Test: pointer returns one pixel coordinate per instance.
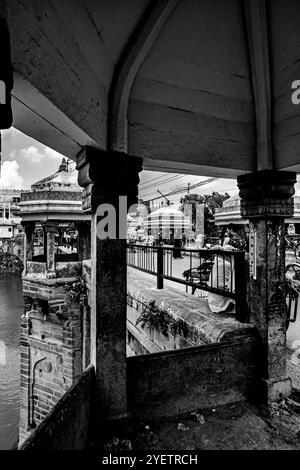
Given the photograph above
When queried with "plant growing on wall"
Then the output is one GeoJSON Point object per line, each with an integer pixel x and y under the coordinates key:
{"type": "Point", "coordinates": [179, 327]}
{"type": "Point", "coordinates": [155, 318]}
{"type": "Point", "coordinates": [77, 291]}
{"type": "Point", "coordinates": [160, 320]}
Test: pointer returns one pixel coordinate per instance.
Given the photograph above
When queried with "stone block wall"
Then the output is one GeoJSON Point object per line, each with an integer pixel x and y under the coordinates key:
{"type": "Point", "coordinates": [51, 357]}
{"type": "Point", "coordinates": [173, 382]}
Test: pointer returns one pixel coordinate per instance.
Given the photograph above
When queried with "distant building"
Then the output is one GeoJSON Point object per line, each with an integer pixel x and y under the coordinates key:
{"type": "Point", "coordinates": [9, 203]}
{"type": "Point", "coordinates": [230, 213]}
{"type": "Point", "coordinates": [10, 220]}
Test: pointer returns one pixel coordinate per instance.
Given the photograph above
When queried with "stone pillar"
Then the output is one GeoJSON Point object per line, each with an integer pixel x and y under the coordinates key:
{"type": "Point", "coordinates": [106, 176]}
{"type": "Point", "coordinates": [84, 239]}
{"type": "Point", "coordinates": [45, 241]}
{"type": "Point", "coordinates": [28, 241]}
{"type": "Point", "coordinates": [51, 229]}
{"type": "Point", "coordinates": [60, 236]}
{"type": "Point", "coordinates": [266, 200]}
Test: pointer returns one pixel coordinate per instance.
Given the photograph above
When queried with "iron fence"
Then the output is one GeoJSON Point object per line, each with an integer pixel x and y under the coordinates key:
{"type": "Point", "coordinates": [205, 270]}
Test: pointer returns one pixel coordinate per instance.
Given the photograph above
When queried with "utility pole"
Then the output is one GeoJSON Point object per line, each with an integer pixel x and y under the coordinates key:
{"type": "Point", "coordinates": [168, 202]}
{"type": "Point", "coordinates": [188, 189]}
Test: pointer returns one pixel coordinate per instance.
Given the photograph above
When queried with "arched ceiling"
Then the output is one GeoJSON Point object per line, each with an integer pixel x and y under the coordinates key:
{"type": "Point", "coordinates": [284, 26]}
{"type": "Point", "coordinates": [192, 97]}
{"type": "Point", "coordinates": [193, 86]}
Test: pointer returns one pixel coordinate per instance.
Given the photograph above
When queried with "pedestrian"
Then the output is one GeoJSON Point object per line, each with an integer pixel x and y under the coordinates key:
{"type": "Point", "coordinates": [200, 241]}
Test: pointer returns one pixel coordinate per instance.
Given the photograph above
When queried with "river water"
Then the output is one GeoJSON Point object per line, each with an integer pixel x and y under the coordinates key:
{"type": "Point", "coordinates": [11, 309]}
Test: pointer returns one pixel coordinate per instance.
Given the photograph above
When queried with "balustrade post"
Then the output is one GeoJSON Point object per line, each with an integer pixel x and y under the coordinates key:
{"type": "Point", "coordinates": [84, 239]}
{"type": "Point", "coordinates": [160, 267]}
{"type": "Point", "coordinates": [51, 229]}
{"type": "Point", "coordinates": [241, 306]}
{"type": "Point", "coordinates": [28, 241]}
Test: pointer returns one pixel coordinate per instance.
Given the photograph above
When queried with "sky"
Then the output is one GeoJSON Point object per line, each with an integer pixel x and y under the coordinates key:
{"type": "Point", "coordinates": [25, 161]}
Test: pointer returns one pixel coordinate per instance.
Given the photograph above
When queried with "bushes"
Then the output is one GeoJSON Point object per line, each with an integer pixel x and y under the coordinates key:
{"type": "Point", "coordinates": [10, 263]}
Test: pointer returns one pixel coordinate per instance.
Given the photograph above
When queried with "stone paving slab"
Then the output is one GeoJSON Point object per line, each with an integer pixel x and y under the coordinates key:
{"type": "Point", "coordinates": [232, 427]}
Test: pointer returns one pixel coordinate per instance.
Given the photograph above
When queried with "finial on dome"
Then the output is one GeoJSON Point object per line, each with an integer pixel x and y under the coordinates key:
{"type": "Point", "coordinates": [64, 165]}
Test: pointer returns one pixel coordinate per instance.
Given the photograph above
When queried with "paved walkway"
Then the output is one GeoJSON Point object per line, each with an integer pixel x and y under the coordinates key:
{"type": "Point", "coordinates": [238, 426]}
{"type": "Point", "coordinates": [232, 427]}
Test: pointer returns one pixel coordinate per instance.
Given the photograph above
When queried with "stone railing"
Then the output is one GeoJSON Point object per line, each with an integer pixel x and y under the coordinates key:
{"type": "Point", "coordinates": [65, 270]}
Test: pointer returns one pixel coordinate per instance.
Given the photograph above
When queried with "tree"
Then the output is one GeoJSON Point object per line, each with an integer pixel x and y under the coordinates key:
{"type": "Point", "coordinates": [211, 202]}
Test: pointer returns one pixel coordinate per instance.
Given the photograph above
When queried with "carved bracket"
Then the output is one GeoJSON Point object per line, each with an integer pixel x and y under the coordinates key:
{"type": "Point", "coordinates": [107, 175]}
{"type": "Point", "coordinates": [267, 193]}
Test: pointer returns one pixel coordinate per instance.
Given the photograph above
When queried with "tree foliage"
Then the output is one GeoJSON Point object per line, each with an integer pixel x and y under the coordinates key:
{"type": "Point", "coordinates": [211, 203]}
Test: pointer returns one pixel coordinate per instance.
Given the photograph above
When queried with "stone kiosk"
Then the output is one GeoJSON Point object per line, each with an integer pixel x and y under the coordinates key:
{"type": "Point", "coordinates": [52, 330]}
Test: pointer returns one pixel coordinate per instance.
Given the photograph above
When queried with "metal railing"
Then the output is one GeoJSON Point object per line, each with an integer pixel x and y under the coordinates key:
{"type": "Point", "coordinates": [208, 270]}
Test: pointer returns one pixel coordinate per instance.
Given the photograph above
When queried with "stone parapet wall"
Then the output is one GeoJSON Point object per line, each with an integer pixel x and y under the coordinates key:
{"type": "Point", "coordinates": [63, 269]}
{"type": "Point", "coordinates": [37, 285]}
{"type": "Point", "coordinates": [174, 382]}
{"type": "Point", "coordinates": [195, 323]}
{"type": "Point", "coordinates": [37, 289]}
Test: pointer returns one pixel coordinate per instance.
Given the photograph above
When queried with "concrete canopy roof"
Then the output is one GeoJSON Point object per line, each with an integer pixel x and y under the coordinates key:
{"type": "Point", "coordinates": [190, 86]}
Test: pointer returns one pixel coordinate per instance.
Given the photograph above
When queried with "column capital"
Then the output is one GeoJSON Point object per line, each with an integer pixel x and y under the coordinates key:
{"type": "Point", "coordinates": [267, 193]}
{"type": "Point", "coordinates": [107, 174]}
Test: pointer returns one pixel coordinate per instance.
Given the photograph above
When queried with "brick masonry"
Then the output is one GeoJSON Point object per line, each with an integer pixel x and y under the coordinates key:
{"type": "Point", "coordinates": [52, 333]}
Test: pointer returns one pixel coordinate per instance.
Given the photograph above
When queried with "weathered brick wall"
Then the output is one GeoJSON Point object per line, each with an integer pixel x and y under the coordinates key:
{"type": "Point", "coordinates": [69, 426]}
{"type": "Point", "coordinates": [51, 357]}
{"type": "Point", "coordinates": [38, 289]}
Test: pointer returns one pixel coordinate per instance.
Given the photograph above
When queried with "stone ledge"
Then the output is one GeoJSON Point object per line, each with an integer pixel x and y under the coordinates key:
{"type": "Point", "coordinates": [208, 326]}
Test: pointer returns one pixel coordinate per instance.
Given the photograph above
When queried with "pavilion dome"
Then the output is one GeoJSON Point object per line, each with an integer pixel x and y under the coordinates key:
{"type": "Point", "coordinates": [167, 216]}
{"type": "Point", "coordinates": [61, 180]}
{"type": "Point", "coordinates": [234, 200]}
{"type": "Point", "coordinates": [56, 197]}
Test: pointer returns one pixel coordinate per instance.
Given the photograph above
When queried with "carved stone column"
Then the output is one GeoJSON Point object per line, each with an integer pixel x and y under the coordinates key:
{"type": "Point", "coordinates": [106, 176]}
{"type": "Point", "coordinates": [266, 200]}
{"type": "Point", "coordinates": [51, 229]}
{"type": "Point", "coordinates": [84, 239]}
{"type": "Point", "coordinates": [28, 241]}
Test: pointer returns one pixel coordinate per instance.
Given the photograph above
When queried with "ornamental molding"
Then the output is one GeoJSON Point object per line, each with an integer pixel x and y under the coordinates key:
{"type": "Point", "coordinates": [267, 207]}
{"type": "Point", "coordinates": [267, 193]}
